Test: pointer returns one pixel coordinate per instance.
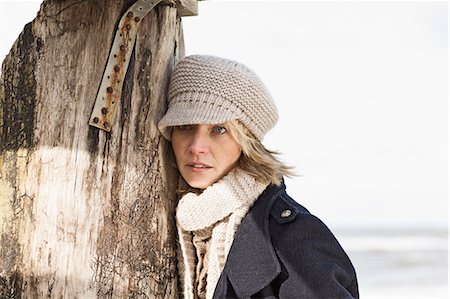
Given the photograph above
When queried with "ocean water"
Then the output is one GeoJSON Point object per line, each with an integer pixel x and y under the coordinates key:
{"type": "Point", "coordinates": [399, 263]}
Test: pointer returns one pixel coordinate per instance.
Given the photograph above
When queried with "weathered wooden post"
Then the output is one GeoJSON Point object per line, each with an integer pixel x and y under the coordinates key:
{"type": "Point", "coordinates": [86, 213]}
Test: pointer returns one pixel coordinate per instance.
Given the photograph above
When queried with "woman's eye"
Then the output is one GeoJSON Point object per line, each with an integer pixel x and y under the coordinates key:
{"type": "Point", "coordinates": [219, 130]}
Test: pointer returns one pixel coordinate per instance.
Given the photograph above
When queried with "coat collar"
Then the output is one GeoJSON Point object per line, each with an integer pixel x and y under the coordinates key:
{"type": "Point", "coordinates": [252, 263]}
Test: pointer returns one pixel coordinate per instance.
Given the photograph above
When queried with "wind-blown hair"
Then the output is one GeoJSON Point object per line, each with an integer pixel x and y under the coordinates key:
{"type": "Point", "coordinates": [256, 160]}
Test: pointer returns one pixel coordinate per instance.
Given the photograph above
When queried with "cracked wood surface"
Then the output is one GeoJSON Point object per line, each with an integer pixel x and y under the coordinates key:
{"type": "Point", "coordinates": [85, 213]}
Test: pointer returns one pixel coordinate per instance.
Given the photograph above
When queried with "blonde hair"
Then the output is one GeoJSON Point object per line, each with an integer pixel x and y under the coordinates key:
{"type": "Point", "coordinates": [256, 160]}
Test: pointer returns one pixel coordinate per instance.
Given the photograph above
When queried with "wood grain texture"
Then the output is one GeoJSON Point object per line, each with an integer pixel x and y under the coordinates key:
{"type": "Point", "coordinates": [85, 213]}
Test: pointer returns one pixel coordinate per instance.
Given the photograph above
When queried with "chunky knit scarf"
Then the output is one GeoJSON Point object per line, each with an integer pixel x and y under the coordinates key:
{"type": "Point", "coordinates": [219, 209]}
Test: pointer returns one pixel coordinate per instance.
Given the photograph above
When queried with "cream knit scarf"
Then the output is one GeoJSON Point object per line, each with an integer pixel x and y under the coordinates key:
{"type": "Point", "coordinates": [222, 206]}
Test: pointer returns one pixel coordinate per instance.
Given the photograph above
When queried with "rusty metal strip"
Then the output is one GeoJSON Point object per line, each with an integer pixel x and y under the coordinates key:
{"type": "Point", "coordinates": [110, 90]}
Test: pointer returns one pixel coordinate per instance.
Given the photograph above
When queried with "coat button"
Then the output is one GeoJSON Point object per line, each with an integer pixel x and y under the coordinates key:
{"type": "Point", "coordinates": [286, 213]}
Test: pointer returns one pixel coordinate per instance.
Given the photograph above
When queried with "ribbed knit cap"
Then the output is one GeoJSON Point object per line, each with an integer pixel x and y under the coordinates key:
{"type": "Point", "coordinates": [212, 90]}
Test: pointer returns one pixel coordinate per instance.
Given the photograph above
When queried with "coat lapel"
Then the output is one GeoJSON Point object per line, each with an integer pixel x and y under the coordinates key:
{"type": "Point", "coordinates": [252, 263]}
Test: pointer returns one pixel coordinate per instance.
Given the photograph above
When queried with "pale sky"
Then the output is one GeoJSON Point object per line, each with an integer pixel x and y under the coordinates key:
{"type": "Point", "coordinates": [362, 92]}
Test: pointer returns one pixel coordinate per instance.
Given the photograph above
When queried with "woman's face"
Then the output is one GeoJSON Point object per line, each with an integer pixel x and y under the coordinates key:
{"type": "Point", "coordinates": [204, 153]}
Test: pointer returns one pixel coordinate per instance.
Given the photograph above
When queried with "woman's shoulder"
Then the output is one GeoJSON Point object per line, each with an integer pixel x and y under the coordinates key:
{"type": "Point", "coordinates": [287, 215]}
{"type": "Point", "coordinates": [285, 209]}
{"type": "Point", "coordinates": [293, 226]}
{"type": "Point", "coordinates": [290, 216]}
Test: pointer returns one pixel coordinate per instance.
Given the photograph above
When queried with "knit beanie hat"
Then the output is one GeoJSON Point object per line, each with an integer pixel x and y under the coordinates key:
{"type": "Point", "coordinates": [212, 90]}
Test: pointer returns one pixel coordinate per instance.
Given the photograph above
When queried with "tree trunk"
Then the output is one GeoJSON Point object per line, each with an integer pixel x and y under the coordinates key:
{"type": "Point", "coordinates": [86, 213]}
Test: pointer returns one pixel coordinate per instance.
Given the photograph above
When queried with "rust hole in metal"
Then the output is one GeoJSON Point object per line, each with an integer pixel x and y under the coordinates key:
{"type": "Point", "coordinates": [95, 120]}
{"type": "Point", "coordinates": [109, 89]}
{"type": "Point", "coordinates": [104, 110]}
{"type": "Point", "coordinates": [130, 14]}
{"type": "Point", "coordinates": [137, 19]}
{"type": "Point", "coordinates": [128, 26]}
{"type": "Point", "coordinates": [123, 48]}
{"type": "Point", "coordinates": [106, 124]}
{"type": "Point", "coordinates": [116, 68]}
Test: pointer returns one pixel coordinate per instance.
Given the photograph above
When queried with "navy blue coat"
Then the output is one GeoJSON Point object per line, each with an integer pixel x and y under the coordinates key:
{"type": "Point", "coordinates": [281, 254]}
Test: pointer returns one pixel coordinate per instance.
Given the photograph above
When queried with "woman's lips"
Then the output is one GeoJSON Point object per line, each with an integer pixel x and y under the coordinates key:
{"type": "Point", "coordinates": [198, 167]}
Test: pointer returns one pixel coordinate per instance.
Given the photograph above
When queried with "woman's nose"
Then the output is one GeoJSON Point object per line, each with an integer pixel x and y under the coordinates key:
{"type": "Point", "coordinates": [199, 144]}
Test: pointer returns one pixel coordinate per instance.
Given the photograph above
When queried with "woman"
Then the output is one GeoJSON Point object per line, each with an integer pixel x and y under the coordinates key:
{"type": "Point", "coordinates": [240, 234]}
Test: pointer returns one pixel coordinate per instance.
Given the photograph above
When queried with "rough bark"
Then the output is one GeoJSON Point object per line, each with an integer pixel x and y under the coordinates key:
{"type": "Point", "coordinates": [85, 213]}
